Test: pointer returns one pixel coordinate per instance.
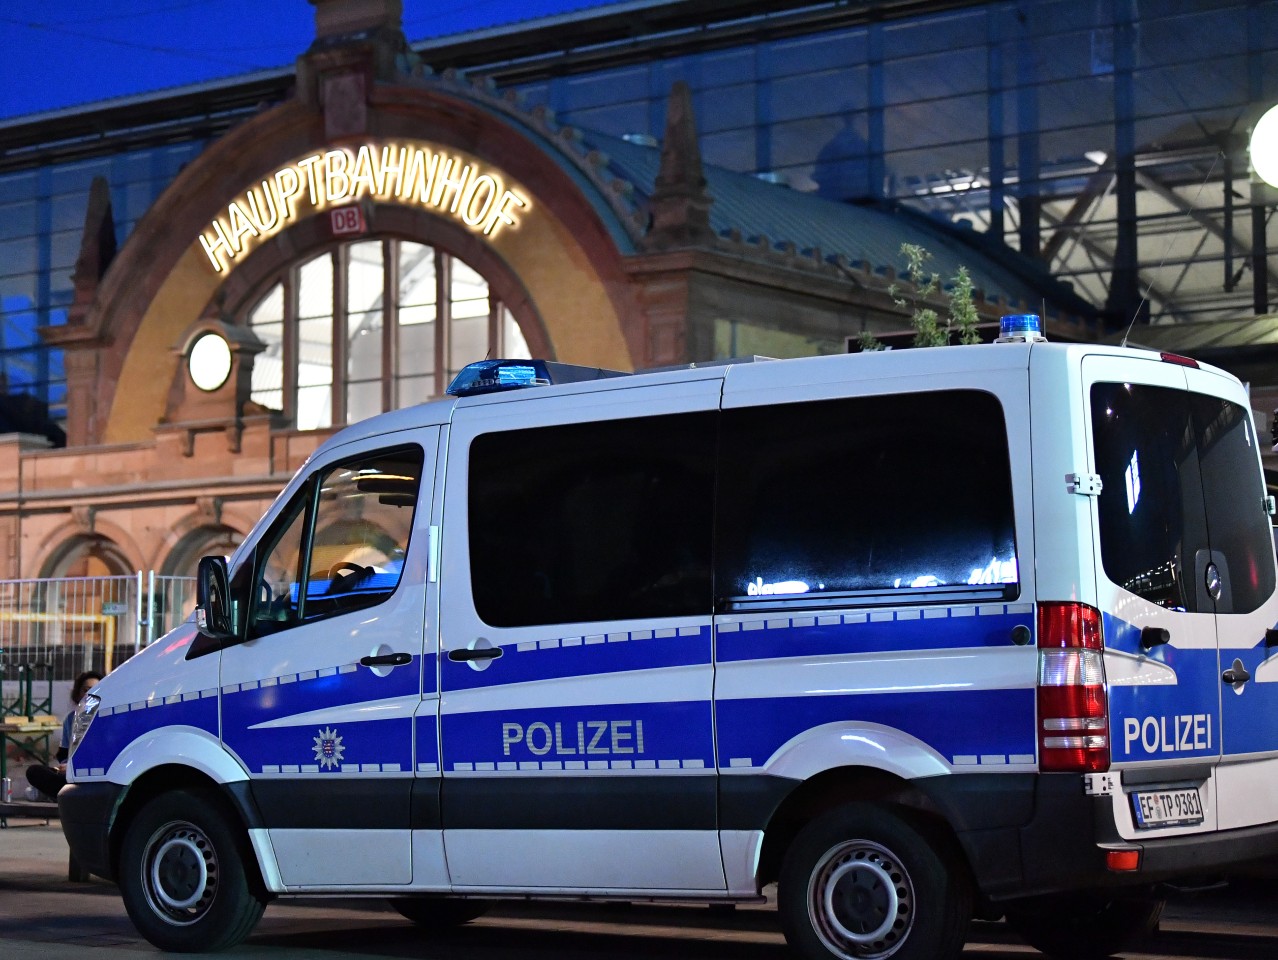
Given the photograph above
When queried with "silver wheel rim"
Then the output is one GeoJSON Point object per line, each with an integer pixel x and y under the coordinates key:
{"type": "Point", "coordinates": [179, 873]}
{"type": "Point", "coordinates": [861, 901]}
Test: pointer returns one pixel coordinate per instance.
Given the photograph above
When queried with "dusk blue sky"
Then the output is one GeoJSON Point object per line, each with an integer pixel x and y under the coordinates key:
{"type": "Point", "coordinates": [63, 53]}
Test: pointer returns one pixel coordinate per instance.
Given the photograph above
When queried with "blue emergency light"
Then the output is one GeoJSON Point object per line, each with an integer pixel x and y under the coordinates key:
{"type": "Point", "coordinates": [1020, 328]}
{"type": "Point", "coordinates": [491, 376]}
{"type": "Point", "coordinates": [494, 376]}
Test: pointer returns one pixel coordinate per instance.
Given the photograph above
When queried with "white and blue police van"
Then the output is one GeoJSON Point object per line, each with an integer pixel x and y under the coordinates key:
{"type": "Point", "coordinates": [919, 636]}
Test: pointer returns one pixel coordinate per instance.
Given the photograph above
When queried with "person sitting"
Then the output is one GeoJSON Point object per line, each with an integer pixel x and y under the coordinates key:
{"type": "Point", "coordinates": [46, 781]}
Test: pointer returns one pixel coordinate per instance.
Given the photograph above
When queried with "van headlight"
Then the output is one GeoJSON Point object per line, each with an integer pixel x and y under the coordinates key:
{"type": "Point", "coordinates": [84, 714]}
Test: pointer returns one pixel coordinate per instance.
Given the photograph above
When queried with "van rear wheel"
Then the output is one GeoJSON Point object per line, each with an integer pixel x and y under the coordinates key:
{"type": "Point", "coordinates": [861, 883]}
{"type": "Point", "coordinates": [439, 913]}
{"type": "Point", "coordinates": [184, 875]}
{"type": "Point", "coordinates": [1084, 927]}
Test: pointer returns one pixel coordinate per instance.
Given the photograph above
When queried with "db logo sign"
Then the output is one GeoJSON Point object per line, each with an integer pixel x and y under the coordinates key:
{"type": "Point", "coordinates": [346, 221]}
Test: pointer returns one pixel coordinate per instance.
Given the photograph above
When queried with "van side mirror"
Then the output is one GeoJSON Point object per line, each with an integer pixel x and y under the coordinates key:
{"type": "Point", "coordinates": [214, 609]}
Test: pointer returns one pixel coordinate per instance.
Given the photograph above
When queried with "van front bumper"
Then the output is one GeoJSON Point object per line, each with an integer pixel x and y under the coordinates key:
{"type": "Point", "coordinates": [87, 811]}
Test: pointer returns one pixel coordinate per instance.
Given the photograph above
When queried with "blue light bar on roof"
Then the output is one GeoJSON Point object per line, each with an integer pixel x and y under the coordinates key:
{"type": "Point", "coordinates": [492, 376]}
{"type": "Point", "coordinates": [1020, 328]}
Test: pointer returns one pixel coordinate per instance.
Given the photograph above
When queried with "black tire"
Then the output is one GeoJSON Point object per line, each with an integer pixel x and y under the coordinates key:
{"type": "Point", "coordinates": [862, 883]}
{"type": "Point", "coordinates": [1084, 927]}
{"type": "Point", "coordinates": [184, 875]}
{"type": "Point", "coordinates": [439, 913]}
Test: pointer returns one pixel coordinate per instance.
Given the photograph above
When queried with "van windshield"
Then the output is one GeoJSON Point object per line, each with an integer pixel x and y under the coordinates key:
{"type": "Point", "coordinates": [1181, 490]}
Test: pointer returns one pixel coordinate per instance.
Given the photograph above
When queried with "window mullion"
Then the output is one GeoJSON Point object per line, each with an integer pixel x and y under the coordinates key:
{"type": "Point", "coordinates": [341, 284]}
{"type": "Point", "coordinates": [443, 319]}
{"type": "Point", "coordinates": [289, 350]}
{"type": "Point", "coordinates": [390, 324]}
{"type": "Point", "coordinates": [495, 346]}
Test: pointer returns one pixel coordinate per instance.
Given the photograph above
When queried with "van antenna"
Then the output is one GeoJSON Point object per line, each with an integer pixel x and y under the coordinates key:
{"type": "Point", "coordinates": [1166, 250]}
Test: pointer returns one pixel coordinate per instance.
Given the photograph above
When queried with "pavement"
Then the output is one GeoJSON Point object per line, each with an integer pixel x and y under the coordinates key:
{"type": "Point", "coordinates": [43, 916]}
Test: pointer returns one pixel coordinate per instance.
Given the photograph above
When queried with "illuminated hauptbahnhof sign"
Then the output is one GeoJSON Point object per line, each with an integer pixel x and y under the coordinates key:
{"type": "Point", "coordinates": [402, 173]}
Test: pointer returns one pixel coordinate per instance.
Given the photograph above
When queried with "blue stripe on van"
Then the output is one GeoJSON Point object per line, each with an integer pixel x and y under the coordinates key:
{"type": "Point", "coordinates": [256, 701]}
{"type": "Point", "coordinates": [1250, 715]}
{"type": "Point", "coordinates": [920, 628]}
{"type": "Point", "coordinates": [365, 747]}
{"type": "Point", "coordinates": [381, 745]}
{"type": "Point", "coordinates": [626, 736]}
{"type": "Point", "coordinates": [111, 733]}
{"type": "Point", "coordinates": [582, 656]}
{"type": "Point", "coordinates": [988, 726]}
{"type": "Point", "coordinates": [426, 737]}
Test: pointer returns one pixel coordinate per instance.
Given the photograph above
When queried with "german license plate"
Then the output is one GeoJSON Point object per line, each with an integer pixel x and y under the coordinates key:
{"type": "Point", "coordinates": [1167, 808]}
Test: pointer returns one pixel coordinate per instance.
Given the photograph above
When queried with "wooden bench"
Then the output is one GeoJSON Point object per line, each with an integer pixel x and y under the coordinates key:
{"type": "Point", "coordinates": [32, 809]}
{"type": "Point", "coordinates": [23, 732]}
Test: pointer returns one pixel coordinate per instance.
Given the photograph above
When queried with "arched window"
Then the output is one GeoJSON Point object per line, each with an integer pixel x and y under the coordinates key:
{"type": "Point", "coordinates": [371, 326]}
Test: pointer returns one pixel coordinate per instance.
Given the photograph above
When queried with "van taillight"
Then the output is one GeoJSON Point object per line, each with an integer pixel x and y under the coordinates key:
{"type": "Point", "coordinates": [1073, 712]}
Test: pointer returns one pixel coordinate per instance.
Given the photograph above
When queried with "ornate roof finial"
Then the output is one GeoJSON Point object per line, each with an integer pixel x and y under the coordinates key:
{"type": "Point", "coordinates": [97, 248]}
{"type": "Point", "coordinates": [680, 205]}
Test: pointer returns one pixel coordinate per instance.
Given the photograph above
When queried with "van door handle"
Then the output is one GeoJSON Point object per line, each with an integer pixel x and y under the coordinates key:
{"type": "Point", "coordinates": [1271, 635]}
{"type": "Point", "coordinates": [387, 660]}
{"type": "Point", "coordinates": [479, 653]}
{"type": "Point", "coordinates": [1236, 674]}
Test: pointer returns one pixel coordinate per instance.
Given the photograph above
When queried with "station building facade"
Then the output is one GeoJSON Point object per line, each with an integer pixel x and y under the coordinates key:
{"type": "Point", "coordinates": [295, 252]}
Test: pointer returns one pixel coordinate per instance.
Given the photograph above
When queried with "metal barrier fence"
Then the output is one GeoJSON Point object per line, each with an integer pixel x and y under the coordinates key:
{"type": "Point", "coordinates": [51, 630]}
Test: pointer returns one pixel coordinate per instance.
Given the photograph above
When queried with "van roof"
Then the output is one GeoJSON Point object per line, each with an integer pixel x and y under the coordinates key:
{"type": "Point", "coordinates": [876, 365]}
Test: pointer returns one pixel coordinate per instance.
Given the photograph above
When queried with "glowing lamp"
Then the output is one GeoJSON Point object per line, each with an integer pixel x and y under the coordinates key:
{"type": "Point", "coordinates": [1264, 147]}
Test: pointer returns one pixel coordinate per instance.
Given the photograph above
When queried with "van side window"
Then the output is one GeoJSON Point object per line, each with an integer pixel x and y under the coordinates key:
{"type": "Point", "coordinates": [865, 494]}
{"type": "Point", "coordinates": [592, 521]}
{"type": "Point", "coordinates": [341, 543]}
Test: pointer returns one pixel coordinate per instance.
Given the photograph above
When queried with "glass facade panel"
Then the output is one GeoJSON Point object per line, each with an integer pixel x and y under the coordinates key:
{"type": "Point", "coordinates": [266, 320]}
{"type": "Point", "coordinates": [513, 344]}
{"type": "Point", "coordinates": [930, 101]}
{"type": "Point", "coordinates": [365, 298]}
{"type": "Point", "coordinates": [810, 55]}
{"type": "Point", "coordinates": [315, 288]}
{"type": "Point", "coordinates": [17, 220]}
{"type": "Point", "coordinates": [415, 349]}
{"type": "Point", "coordinates": [468, 332]}
{"type": "Point", "coordinates": [40, 238]}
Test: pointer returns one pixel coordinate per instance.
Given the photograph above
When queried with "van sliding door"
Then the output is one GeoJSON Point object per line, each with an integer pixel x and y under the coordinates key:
{"type": "Point", "coordinates": [577, 746]}
{"type": "Point", "coordinates": [869, 566]}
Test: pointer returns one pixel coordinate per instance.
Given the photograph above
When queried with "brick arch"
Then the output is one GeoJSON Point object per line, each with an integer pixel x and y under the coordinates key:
{"type": "Point", "coordinates": [566, 255]}
{"type": "Point", "coordinates": [184, 539]}
{"type": "Point", "coordinates": [110, 543]}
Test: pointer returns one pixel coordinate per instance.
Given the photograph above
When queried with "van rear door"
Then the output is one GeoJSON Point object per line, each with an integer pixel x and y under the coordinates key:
{"type": "Point", "coordinates": [1153, 560]}
{"type": "Point", "coordinates": [1185, 547]}
{"type": "Point", "coordinates": [1241, 538]}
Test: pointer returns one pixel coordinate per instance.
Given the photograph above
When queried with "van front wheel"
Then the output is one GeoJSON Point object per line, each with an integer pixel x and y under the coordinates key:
{"type": "Point", "coordinates": [183, 876]}
{"type": "Point", "coordinates": [861, 883]}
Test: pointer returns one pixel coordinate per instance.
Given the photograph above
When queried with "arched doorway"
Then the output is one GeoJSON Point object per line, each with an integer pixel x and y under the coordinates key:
{"type": "Point", "coordinates": [81, 613]}
{"type": "Point", "coordinates": [87, 555]}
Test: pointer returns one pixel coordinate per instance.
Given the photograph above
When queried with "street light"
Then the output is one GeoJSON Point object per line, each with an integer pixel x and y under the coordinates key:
{"type": "Point", "coordinates": [1264, 147]}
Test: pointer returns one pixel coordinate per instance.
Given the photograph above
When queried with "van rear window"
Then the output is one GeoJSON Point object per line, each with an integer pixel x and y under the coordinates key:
{"type": "Point", "coordinates": [1181, 490]}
